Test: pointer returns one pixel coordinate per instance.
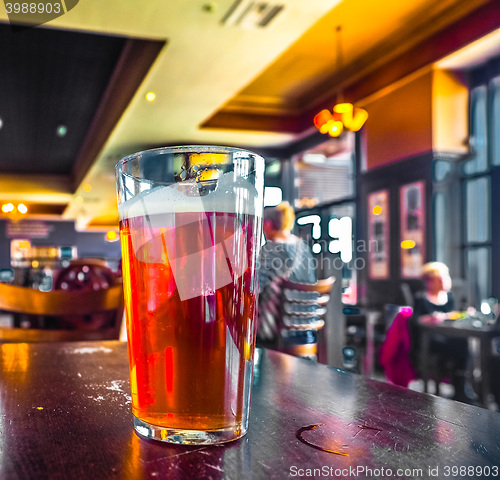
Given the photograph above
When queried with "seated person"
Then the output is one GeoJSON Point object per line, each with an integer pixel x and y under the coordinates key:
{"type": "Point", "coordinates": [434, 306]}
{"type": "Point", "coordinates": [284, 256]}
{"type": "Point", "coordinates": [437, 300]}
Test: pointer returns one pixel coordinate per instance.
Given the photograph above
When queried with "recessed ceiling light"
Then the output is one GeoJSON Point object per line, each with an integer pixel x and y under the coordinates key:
{"type": "Point", "coordinates": [87, 187]}
{"type": "Point", "coordinates": [112, 236]}
{"type": "Point", "coordinates": [8, 207]}
{"type": "Point", "coordinates": [22, 208]}
{"type": "Point", "coordinates": [61, 130]}
{"type": "Point", "coordinates": [150, 96]}
{"type": "Point", "coordinates": [208, 7]}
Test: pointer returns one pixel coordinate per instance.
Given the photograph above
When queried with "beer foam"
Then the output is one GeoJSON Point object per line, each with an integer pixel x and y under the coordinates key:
{"type": "Point", "coordinates": [229, 194]}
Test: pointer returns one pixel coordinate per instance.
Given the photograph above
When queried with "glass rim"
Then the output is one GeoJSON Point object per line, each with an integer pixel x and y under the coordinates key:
{"type": "Point", "coordinates": [185, 148]}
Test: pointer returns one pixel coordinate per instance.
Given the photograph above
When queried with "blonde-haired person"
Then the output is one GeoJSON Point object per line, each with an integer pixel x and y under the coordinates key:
{"type": "Point", "coordinates": [279, 221]}
{"type": "Point", "coordinates": [432, 306]}
{"type": "Point", "coordinates": [283, 256]}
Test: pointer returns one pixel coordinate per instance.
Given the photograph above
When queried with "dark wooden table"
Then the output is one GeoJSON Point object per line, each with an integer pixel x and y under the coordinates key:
{"type": "Point", "coordinates": [466, 328]}
{"type": "Point", "coordinates": [65, 414]}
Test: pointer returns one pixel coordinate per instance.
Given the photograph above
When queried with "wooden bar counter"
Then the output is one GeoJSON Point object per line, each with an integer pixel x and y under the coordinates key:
{"type": "Point", "coordinates": [65, 413]}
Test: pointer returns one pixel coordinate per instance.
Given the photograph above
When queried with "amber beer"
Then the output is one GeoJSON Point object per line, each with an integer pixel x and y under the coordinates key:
{"type": "Point", "coordinates": [191, 226]}
{"type": "Point", "coordinates": [190, 346]}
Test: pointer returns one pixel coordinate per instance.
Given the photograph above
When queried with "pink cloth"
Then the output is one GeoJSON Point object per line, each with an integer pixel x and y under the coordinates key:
{"type": "Point", "coordinates": [395, 351]}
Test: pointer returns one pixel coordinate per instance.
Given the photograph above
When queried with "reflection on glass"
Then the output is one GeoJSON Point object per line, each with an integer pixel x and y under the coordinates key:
{"type": "Point", "coordinates": [15, 357]}
{"type": "Point", "coordinates": [440, 226]}
{"type": "Point", "coordinates": [477, 195]}
{"type": "Point", "coordinates": [478, 163]}
{"type": "Point", "coordinates": [272, 196]}
{"type": "Point", "coordinates": [496, 121]}
{"type": "Point", "coordinates": [478, 267]}
{"type": "Point", "coordinates": [133, 468]}
{"type": "Point", "coordinates": [442, 169]}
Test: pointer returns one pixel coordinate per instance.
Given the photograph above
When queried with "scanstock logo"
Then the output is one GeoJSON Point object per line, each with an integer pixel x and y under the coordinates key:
{"type": "Point", "coordinates": [32, 13]}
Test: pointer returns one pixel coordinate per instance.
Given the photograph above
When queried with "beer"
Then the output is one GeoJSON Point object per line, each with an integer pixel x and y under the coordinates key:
{"type": "Point", "coordinates": [190, 302]}
{"type": "Point", "coordinates": [191, 228]}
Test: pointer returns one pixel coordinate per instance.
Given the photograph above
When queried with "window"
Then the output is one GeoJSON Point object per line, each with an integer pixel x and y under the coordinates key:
{"type": "Point", "coordinates": [326, 173]}
{"type": "Point", "coordinates": [477, 210]}
{"type": "Point", "coordinates": [478, 188]}
{"type": "Point", "coordinates": [495, 124]}
{"type": "Point", "coordinates": [478, 129]}
{"type": "Point", "coordinates": [465, 237]}
{"type": "Point", "coordinates": [326, 199]}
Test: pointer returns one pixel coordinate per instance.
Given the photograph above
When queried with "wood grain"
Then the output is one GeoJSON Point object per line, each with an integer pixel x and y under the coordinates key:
{"type": "Point", "coordinates": [65, 413]}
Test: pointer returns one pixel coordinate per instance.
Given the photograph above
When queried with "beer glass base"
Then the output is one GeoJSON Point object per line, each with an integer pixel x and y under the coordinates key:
{"type": "Point", "coordinates": [187, 437]}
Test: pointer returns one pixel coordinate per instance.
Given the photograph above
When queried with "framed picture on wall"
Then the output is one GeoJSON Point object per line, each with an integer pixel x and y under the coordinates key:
{"type": "Point", "coordinates": [378, 235]}
{"type": "Point", "coordinates": [412, 210]}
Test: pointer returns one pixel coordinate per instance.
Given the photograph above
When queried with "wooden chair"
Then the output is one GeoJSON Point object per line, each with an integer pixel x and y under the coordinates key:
{"type": "Point", "coordinates": [302, 308]}
{"type": "Point", "coordinates": [86, 314]}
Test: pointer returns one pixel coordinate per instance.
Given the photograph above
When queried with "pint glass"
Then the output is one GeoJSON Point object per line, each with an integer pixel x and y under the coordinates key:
{"type": "Point", "coordinates": [191, 228]}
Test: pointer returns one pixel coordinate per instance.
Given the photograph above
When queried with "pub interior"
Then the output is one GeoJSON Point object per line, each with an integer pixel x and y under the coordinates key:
{"type": "Point", "coordinates": [408, 173]}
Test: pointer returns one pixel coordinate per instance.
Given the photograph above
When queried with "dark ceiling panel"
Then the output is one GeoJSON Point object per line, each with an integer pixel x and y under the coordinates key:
{"type": "Point", "coordinates": [50, 78]}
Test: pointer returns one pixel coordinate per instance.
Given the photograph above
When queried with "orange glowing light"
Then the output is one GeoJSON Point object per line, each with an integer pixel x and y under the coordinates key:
{"type": "Point", "coordinates": [322, 118]}
{"type": "Point", "coordinates": [343, 112]}
{"type": "Point", "coordinates": [344, 117]}
{"type": "Point", "coordinates": [342, 108]}
{"type": "Point", "coordinates": [87, 187]}
{"type": "Point", "coordinates": [336, 128]}
{"type": "Point", "coordinates": [358, 120]}
{"type": "Point", "coordinates": [407, 244]}
{"type": "Point", "coordinates": [377, 210]}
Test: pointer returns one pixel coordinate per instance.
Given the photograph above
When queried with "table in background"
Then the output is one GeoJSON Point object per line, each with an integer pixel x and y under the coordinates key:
{"type": "Point", "coordinates": [365, 336]}
{"type": "Point", "coordinates": [466, 328]}
{"type": "Point", "coordinates": [65, 413]}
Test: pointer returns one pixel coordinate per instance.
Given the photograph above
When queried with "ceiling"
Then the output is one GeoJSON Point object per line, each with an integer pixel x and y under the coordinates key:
{"type": "Point", "coordinates": [245, 73]}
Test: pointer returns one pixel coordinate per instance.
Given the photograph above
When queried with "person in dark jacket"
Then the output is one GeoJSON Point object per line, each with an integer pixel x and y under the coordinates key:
{"type": "Point", "coordinates": [434, 305]}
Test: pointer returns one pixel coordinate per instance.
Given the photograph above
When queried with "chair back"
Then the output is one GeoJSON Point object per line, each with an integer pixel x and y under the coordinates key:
{"type": "Point", "coordinates": [85, 274]}
{"type": "Point", "coordinates": [87, 314]}
{"type": "Point", "coordinates": [302, 308]}
{"type": "Point", "coordinates": [395, 351]}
